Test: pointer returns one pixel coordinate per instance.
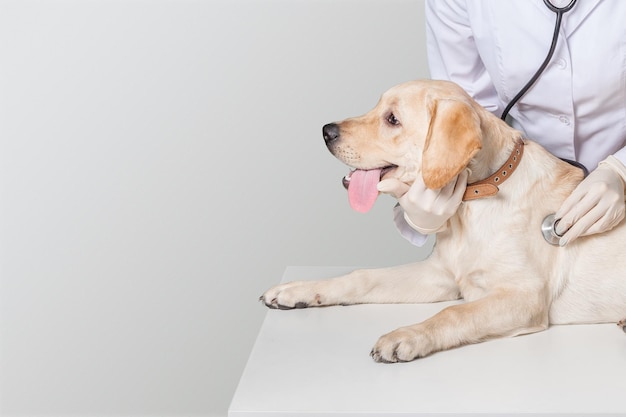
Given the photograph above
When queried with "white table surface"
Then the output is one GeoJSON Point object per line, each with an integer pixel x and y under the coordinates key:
{"type": "Point", "coordinates": [315, 362]}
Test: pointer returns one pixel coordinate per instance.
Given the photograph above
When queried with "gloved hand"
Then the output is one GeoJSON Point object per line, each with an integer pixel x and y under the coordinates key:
{"type": "Point", "coordinates": [596, 205]}
{"type": "Point", "coordinates": [426, 210]}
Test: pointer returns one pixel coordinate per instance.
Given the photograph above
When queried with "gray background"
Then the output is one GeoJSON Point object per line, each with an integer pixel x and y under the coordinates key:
{"type": "Point", "coordinates": [161, 163]}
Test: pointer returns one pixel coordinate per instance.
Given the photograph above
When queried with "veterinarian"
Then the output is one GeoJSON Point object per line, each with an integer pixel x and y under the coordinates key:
{"type": "Point", "coordinates": [576, 109]}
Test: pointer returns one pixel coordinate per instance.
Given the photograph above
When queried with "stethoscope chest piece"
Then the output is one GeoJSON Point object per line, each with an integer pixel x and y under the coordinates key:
{"type": "Point", "coordinates": [548, 229]}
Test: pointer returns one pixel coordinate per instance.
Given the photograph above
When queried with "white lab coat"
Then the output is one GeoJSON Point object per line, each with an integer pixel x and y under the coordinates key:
{"type": "Point", "coordinates": [577, 108]}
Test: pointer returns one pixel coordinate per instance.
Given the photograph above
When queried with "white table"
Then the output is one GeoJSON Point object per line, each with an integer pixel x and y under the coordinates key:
{"type": "Point", "coordinates": [315, 362]}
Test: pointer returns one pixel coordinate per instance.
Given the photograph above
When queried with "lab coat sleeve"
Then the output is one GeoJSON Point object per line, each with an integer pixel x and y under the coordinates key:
{"type": "Point", "coordinates": [453, 54]}
{"type": "Point", "coordinates": [621, 155]}
{"type": "Point", "coordinates": [406, 231]}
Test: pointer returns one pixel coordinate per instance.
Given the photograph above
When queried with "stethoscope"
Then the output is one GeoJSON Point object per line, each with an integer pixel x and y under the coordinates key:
{"type": "Point", "coordinates": [559, 11]}
{"type": "Point", "coordinates": [548, 226]}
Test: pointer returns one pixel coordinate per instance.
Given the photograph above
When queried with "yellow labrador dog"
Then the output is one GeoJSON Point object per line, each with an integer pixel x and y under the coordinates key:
{"type": "Point", "coordinates": [492, 253]}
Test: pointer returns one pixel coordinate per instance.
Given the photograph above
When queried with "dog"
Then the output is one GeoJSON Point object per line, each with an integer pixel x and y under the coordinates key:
{"type": "Point", "coordinates": [492, 253]}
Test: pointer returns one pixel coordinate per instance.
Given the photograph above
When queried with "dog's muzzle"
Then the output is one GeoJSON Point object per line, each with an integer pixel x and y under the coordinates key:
{"type": "Point", "coordinates": [346, 179]}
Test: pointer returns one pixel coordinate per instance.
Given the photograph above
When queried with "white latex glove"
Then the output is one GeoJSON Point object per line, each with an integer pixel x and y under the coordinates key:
{"type": "Point", "coordinates": [426, 210]}
{"type": "Point", "coordinates": [596, 205]}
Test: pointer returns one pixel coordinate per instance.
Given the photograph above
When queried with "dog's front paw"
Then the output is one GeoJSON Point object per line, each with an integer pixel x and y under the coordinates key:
{"type": "Point", "coordinates": [622, 325]}
{"type": "Point", "coordinates": [402, 345]}
{"type": "Point", "coordinates": [297, 294]}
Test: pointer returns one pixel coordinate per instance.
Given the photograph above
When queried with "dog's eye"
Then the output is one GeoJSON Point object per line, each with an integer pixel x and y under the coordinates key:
{"type": "Point", "coordinates": [392, 120]}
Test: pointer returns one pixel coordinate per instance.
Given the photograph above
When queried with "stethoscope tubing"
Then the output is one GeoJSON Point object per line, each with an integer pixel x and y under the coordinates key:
{"type": "Point", "coordinates": [548, 227]}
{"type": "Point", "coordinates": [559, 11]}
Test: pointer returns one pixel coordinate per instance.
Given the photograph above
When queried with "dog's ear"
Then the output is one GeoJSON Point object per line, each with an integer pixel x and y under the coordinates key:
{"type": "Point", "coordinates": [454, 136]}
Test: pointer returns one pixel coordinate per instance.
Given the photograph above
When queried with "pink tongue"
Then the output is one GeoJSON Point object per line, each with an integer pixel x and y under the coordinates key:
{"type": "Point", "coordinates": [362, 191]}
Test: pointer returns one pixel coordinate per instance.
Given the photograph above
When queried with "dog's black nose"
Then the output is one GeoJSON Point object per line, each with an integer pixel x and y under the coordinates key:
{"type": "Point", "coordinates": [331, 132]}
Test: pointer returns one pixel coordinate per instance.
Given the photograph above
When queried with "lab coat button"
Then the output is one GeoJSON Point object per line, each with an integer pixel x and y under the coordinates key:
{"type": "Point", "coordinates": [564, 120]}
{"type": "Point", "coordinates": [561, 63]}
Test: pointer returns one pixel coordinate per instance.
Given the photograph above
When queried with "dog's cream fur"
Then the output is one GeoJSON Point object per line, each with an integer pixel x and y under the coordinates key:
{"type": "Point", "coordinates": [492, 253]}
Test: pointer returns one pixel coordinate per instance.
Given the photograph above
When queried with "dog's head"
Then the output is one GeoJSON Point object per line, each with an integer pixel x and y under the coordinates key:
{"type": "Point", "coordinates": [427, 128]}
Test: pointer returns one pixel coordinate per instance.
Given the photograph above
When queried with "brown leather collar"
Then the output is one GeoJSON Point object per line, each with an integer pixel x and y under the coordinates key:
{"type": "Point", "coordinates": [489, 186]}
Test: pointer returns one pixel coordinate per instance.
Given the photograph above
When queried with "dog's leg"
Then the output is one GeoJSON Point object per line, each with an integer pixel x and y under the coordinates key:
{"type": "Point", "coordinates": [622, 324]}
{"type": "Point", "coordinates": [420, 282]}
{"type": "Point", "coordinates": [503, 313]}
